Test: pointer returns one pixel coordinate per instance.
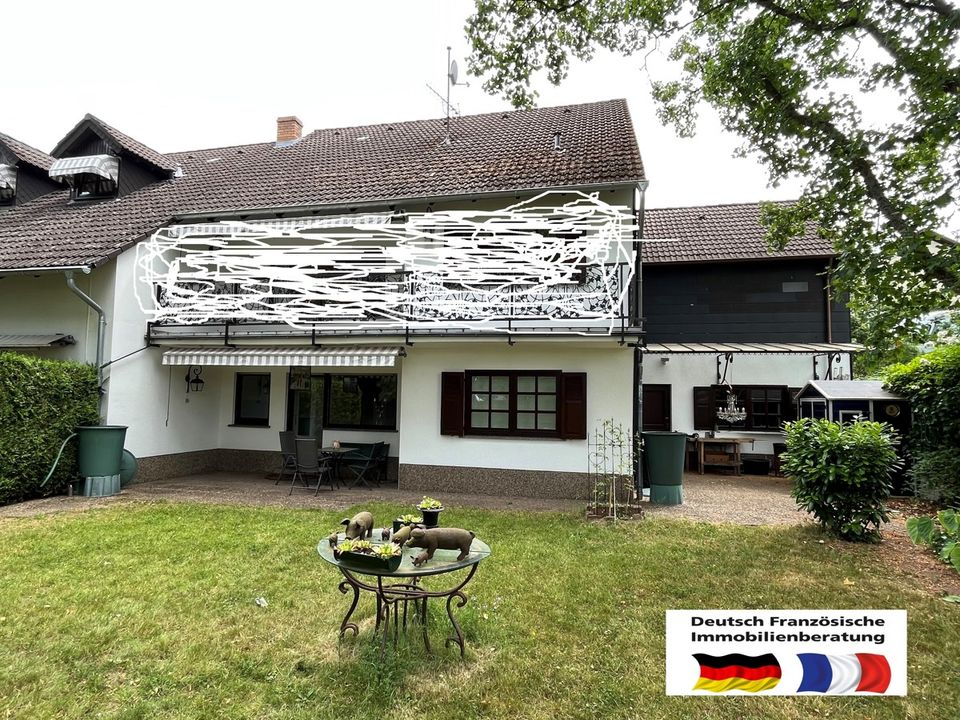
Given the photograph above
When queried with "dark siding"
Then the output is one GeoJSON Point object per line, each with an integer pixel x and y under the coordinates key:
{"type": "Point", "coordinates": [134, 176]}
{"type": "Point", "coordinates": [89, 144]}
{"type": "Point", "coordinates": [32, 184]}
{"type": "Point", "coordinates": [738, 302]}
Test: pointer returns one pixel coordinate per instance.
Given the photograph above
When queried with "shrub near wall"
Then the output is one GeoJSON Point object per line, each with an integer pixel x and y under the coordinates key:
{"type": "Point", "coordinates": [40, 403]}
{"type": "Point", "coordinates": [841, 474]}
{"type": "Point", "coordinates": [932, 384]}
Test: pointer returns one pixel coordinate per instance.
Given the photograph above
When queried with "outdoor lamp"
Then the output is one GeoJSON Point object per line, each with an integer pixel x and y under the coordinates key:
{"type": "Point", "coordinates": [193, 379]}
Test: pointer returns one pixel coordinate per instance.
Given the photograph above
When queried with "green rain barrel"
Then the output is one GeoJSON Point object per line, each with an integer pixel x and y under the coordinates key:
{"type": "Point", "coordinates": [664, 452]}
{"type": "Point", "coordinates": [99, 455]}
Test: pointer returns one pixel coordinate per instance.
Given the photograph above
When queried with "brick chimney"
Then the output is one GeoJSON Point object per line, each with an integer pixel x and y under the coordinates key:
{"type": "Point", "coordinates": [289, 128]}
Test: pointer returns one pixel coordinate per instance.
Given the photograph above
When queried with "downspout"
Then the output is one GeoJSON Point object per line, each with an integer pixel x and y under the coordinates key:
{"type": "Point", "coordinates": [638, 347]}
{"type": "Point", "coordinates": [101, 332]}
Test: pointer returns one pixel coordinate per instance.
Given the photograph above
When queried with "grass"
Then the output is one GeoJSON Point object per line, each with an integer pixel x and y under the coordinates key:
{"type": "Point", "coordinates": [147, 610]}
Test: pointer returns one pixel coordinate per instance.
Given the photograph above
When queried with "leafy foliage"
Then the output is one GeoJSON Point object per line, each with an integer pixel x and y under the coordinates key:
{"type": "Point", "coordinates": [941, 533]}
{"type": "Point", "coordinates": [860, 98]}
{"type": "Point", "coordinates": [40, 403]}
{"type": "Point", "coordinates": [936, 475]}
{"type": "Point", "coordinates": [841, 474]}
{"type": "Point", "coordinates": [932, 384]}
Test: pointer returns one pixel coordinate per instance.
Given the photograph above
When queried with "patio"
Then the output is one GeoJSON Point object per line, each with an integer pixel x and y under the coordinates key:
{"type": "Point", "coordinates": [745, 500]}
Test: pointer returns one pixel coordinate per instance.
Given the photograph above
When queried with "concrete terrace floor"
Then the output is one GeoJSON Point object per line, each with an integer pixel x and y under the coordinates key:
{"type": "Point", "coordinates": [746, 500]}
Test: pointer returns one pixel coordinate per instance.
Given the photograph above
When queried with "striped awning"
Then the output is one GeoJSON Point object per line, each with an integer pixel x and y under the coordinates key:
{"type": "Point", "coordinates": [344, 356]}
{"type": "Point", "coordinates": [751, 348]}
{"type": "Point", "coordinates": [8, 177]}
{"type": "Point", "coordinates": [106, 166]}
{"type": "Point", "coordinates": [36, 341]}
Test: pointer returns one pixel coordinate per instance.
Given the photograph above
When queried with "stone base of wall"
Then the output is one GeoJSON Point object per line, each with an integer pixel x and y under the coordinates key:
{"type": "Point", "coordinates": [493, 481]}
{"type": "Point", "coordinates": [163, 467]}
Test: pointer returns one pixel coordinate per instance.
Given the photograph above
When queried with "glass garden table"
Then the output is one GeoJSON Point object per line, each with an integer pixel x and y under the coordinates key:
{"type": "Point", "coordinates": [394, 590]}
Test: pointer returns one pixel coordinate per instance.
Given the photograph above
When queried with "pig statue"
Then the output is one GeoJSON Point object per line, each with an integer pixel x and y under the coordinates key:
{"type": "Point", "coordinates": [440, 539]}
{"type": "Point", "coordinates": [359, 527]}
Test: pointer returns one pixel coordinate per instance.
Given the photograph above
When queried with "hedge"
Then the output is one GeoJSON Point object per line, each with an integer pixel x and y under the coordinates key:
{"type": "Point", "coordinates": [932, 384]}
{"type": "Point", "coordinates": [40, 403]}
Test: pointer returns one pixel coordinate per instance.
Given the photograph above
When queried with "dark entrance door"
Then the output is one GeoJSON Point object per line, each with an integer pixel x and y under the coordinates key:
{"type": "Point", "coordinates": [656, 407]}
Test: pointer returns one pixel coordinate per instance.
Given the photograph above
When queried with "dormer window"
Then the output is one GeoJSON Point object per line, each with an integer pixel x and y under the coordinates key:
{"type": "Point", "coordinates": [92, 177]}
{"type": "Point", "coordinates": [8, 184]}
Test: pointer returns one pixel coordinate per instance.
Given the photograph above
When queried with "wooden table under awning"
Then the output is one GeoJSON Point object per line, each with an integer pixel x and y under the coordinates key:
{"type": "Point", "coordinates": [720, 452]}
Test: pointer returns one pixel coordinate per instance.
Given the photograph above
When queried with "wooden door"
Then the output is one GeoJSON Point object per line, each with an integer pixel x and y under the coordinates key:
{"type": "Point", "coordinates": [656, 407]}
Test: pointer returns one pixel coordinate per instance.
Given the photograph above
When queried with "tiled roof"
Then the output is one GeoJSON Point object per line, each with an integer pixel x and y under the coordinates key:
{"type": "Point", "coordinates": [122, 140]}
{"type": "Point", "coordinates": [26, 153]}
{"type": "Point", "coordinates": [496, 152]}
{"type": "Point", "coordinates": [718, 233]}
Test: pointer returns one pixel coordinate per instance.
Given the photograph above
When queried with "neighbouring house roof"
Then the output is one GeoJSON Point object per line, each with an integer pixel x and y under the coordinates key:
{"type": "Point", "coordinates": [852, 390]}
{"type": "Point", "coordinates": [36, 341]}
{"type": "Point", "coordinates": [121, 140]}
{"type": "Point", "coordinates": [718, 233]}
{"type": "Point", "coordinates": [491, 153]}
{"type": "Point", "coordinates": [26, 153]}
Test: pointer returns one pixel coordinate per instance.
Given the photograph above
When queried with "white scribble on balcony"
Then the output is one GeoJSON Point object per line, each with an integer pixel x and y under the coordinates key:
{"type": "Point", "coordinates": [534, 262]}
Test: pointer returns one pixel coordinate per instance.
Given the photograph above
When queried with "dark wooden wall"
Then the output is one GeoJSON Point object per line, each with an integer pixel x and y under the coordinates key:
{"type": "Point", "coordinates": [31, 184]}
{"type": "Point", "coordinates": [740, 302]}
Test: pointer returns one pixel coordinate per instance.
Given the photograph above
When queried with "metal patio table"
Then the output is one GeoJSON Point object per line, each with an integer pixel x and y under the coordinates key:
{"type": "Point", "coordinates": [395, 590]}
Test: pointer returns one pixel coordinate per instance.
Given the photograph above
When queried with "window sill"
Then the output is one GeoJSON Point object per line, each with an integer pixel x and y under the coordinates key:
{"type": "Point", "coordinates": [248, 425]}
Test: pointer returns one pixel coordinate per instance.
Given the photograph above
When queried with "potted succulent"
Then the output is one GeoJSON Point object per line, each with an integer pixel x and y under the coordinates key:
{"type": "Point", "coordinates": [406, 520]}
{"type": "Point", "coordinates": [430, 508]}
{"type": "Point", "coordinates": [385, 556]}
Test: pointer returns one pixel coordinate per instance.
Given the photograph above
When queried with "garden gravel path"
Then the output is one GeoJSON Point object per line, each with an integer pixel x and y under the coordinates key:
{"type": "Point", "coordinates": [747, 500]}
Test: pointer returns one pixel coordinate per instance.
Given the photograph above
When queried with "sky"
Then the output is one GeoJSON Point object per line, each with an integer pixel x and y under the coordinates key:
{"type": "Point", "coordinates": [201, 74]}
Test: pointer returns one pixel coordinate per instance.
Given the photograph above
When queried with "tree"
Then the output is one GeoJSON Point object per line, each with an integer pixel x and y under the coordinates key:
{"type": "Point", "coordinates": [859, 97]}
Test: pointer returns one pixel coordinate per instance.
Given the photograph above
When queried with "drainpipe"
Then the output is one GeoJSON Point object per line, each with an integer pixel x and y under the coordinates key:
{"type": "Point", "coordinates": [101, 332]}
{"type": "Point", "coordinates": [638, 349]}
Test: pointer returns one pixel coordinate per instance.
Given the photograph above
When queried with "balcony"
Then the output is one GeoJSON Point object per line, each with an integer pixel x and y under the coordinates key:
{"type": "Point", "coordinates": [529, 269]}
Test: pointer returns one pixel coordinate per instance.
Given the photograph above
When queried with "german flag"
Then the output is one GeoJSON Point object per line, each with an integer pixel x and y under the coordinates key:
{"type": "Point", "coordinates": [737, 672]}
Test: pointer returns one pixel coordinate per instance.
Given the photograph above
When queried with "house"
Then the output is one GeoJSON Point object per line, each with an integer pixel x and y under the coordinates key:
{"type": "Point", "coordinates": [467, 290]}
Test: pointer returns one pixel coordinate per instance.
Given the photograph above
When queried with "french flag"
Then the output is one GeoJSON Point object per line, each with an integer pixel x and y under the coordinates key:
{"type": "Point", "coordinates": [843, 674]}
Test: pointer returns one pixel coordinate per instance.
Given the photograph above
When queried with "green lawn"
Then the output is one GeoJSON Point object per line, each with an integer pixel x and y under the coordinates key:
{"type": "Point", "coordinates": [145, 611]}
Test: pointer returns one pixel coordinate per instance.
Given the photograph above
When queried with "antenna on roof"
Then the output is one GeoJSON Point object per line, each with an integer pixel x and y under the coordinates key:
{"type": "Point", "coordinates": [453, 73]}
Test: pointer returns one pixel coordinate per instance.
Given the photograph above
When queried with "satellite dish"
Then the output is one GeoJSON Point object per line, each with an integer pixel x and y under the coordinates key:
{"type": "Point", "coordinates": [454, 73]}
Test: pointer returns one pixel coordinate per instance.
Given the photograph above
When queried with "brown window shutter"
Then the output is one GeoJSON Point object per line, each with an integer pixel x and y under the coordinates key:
{"type": "Point", "coordinates": [573, 406]}
{"type": "Point", "coordinates": [704, 408]}
{"type": "Point", "coordinates": [451, 403]}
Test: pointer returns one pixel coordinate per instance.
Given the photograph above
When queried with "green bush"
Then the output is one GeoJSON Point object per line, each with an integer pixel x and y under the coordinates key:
{"type": "Point", "coordinates": [932, 384]}
{"type": "Point", "coordinates": [936, 476]}
{"type": "Point", "coordinates": [841, 474]}
{"type": "Point", "coordinates": [941, 533]}
{"type": "Point", "coordinates": [40, 403]}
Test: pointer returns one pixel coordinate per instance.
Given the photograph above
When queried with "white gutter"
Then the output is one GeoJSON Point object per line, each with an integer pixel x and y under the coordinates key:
{"type": "Point", "coordinates": [85, 269]}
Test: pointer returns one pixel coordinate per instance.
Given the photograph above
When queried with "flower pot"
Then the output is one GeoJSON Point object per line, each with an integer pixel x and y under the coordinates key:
{"type": "Point", "coordinates": [431, 518]}
{"type": "Point", "coordinates": [373, 562]}
{"type": "Point", "coordinates": [397, 524]}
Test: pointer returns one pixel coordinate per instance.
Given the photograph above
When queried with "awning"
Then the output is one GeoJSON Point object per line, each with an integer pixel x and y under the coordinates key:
{"type": "Point", "coordinates": [36, 341]}
{"type": "Point", "coordinates": [106, 166]}
{"type": "Point", "coordinates": [751, 348]}
{"type": "Point", "coordinates": [8, 177]}
{"type": "Point", "coordinates": [344, 356]}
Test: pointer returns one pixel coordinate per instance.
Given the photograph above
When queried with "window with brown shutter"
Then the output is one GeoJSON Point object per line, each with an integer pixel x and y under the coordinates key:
{"type": "Point", "coordinates": [451, 403]}
{"type": "Point", "coordinates": [704, 408]}
{"type": "Point", "coordinates": [767, 407]}
{"type": "Point", "coordinates": [511, 403]}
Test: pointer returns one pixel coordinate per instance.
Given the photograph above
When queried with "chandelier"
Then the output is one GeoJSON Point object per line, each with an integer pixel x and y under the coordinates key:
{"type": "Point", "coordinates": [731, 413]}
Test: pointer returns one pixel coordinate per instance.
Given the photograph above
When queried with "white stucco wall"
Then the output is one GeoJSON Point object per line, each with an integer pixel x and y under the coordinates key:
{"type": "Point", "coordinates": [685, 372]}
{"type": "Point", "coordinates": [43, 304]}
{"type": "Point", "coordinates": [609, 378]}
{"type": "Point", "coordinates": [151, 399]}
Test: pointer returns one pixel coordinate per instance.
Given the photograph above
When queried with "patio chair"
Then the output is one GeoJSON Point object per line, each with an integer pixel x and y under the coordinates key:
{"type": "Point", "coordinates": [362, 464]}
{"type": "Point", "coordinates": [310, 465]}
{"type": "Point", "coordinates": [381, 453]}
{"type": "Point", "coordinates": [288, 452]}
